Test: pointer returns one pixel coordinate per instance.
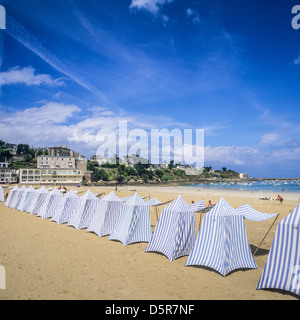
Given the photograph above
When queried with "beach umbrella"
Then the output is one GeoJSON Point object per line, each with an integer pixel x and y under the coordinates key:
{"type": "Point", "coordinates": [51, 204]}
{"type": "Point", "coordinates": [69, 207]}
{"type": "Point", "coordinates": [222, 242]}
{"type": "Point", "coordinates": [282, 269]}
{"type": "Point", "coordinates": [133, 224]}
{"type": "Point", "coordinates": [85, 212]}
{"type": "Point", "coordinates": [106, 215]}
{"type": "Point", "coordinates": [174, 234]}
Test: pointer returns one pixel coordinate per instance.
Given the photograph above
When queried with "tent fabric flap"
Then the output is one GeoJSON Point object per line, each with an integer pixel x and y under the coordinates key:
{"type": "Point", "coordinates": [250, 213]}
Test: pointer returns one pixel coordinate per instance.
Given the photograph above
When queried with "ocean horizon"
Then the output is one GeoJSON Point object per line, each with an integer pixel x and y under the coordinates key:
{"type": "Point", "coordinates": [275, 186]}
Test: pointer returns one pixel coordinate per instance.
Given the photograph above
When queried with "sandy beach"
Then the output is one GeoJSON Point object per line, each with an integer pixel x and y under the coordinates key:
{"type": "Point", "coordinates": [44, 260]}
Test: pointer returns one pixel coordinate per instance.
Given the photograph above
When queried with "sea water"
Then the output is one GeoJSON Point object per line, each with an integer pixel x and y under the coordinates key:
{"type": "Point", "coordinates": [278, 186]}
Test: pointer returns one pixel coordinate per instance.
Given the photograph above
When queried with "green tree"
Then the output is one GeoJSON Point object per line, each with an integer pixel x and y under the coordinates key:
{"type": "Point", "coordinates": [5, 154]}
{"type": "Point", "coordinates": [2, 144]}
{"type": "Point", "coordinates": [23, 149]}
{"type": "Point", "coordinates": [171, 165]}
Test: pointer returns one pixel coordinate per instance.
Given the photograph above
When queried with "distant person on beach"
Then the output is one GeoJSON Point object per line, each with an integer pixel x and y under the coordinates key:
{"type": "Point", "coordinates": [209, 203]}
{"type": "Point", "coordinates": [280, 199]}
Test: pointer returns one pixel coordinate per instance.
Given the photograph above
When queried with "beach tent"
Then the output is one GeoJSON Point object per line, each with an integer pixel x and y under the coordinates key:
{"type": "Point", "coordinates": [1, 194]}
{"type": "Point", "coordinates": [282, 267]}
{"type": "Point", "coordinates": [51, 204]}
{"type": "Point", "coordinates": [222, 242]}
{"type": "Point", "coordinates": [18, 197]}
{"type": "Point", "coordinates": [175, 234]}
{"type": "Point", "coordinates": [197, 206]}
{"type": "Point", "coordinates": [12, 196]}
{"type": "Point", "coordinates": [125, 199]}
{"type": "Point", "coordinates": [85, 212]}
{"type": "Point", "coordinates": [133, 224]}
{"type": "Point", "coordinates": [38, 200]}
{"type": "Point", "coordinates": [106, 215]}
{"type": "Point", "coordinates": [153, 202]}
{"type": "Point", "coordinates": [68, 208]}
{"type": "Point", "coordinates": [27, 198]}
{"type": "Point", "coordinates": [250, 213]}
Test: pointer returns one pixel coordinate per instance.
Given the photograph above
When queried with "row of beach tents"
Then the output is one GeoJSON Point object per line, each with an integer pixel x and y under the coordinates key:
{"type": "Point", "coordinates": [221, 243]}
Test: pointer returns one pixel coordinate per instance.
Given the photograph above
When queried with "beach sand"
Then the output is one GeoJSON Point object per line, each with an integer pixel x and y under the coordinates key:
{"type": "Point", "coordinates": [44, 260]}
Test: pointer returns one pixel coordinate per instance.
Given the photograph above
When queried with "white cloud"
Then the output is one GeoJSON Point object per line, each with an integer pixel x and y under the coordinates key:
{"type": "Point", "coordinates": [232, 155]}
{"type": "Point", "coordinates": [190, 13]}
{"type": "Point", "coordinates": [269, 138]}
{"type": "Point", "coordinates": [297, 61]}
{"type": "Point", "coordinates": [28, 77]}
{"type": "Point", "coordinates": [153, 6]}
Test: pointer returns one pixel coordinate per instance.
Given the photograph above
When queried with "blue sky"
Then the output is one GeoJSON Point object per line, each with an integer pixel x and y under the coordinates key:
{"type": "Point", "coordinates": [69, 68]}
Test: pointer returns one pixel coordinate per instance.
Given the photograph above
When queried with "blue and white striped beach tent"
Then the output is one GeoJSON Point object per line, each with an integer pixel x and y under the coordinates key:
{"type": "Point", "coordinates": [197, 206]}
{"type": "Point", "coordinates": [27, 198]}
{"type": "Point", "coordinates": [251, 214]}
{"type": "Point", "coordinates": [106, 215]}
{"type": "Point", "coordinates": [133, 224]}
{"type": "Point", "coordinates": [222, 242]}
{"type": "Point", "coordinates": [11, 196]}
{"type": "Point", "coordinates": [51, 204]}
{"type": "Point", "coordinates": [1, 194]}
{"type": "Point", "coordinates": [85, 212]}
{"type": "Point", "coordinates": [69, 207]}
{"type": "Point", "coordinates": [282, 269]}
{"type": "Point", "coordinates": [18, 198]}
{"type": "Point", "coordinates": [38, 200]}
{"type": "Point", "coordinates": [175, 234]}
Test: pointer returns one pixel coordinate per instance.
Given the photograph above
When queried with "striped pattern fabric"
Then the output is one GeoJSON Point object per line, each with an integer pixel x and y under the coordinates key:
{"type": "Point", "coordinates": [106, 215]}
{"type": "Point", "coordinates": [27, 198]}
{"type": "Point", "coordinates": [1, 194]}
{"type": "Point", "coordinates": [175, 234]}
{"type": "Point", "coordinates": [38, 200]}
{"type": "Point", "coordinates": [11, 196]}
{"type": "Point", "coordinates": [153, 202]}
{"type": "Point", "coordinates": [18, 197]}
{"type": "Point", "coordinates": [197, 206]}
{"type": "Point", "coordinates": [251, 214]}
{"type": "Point", "coordinates": [69, 207]}
{"type": "Point", "coordinates": [282, 269]}
{"type": "Point", "coordinates": [85, 212]}
{"type": "Point", "coordinates": [133, 224]}
{"type": "Point", "coordinates": [51, 204]}
{"type": "Point", "coordinates": [222, 242]}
